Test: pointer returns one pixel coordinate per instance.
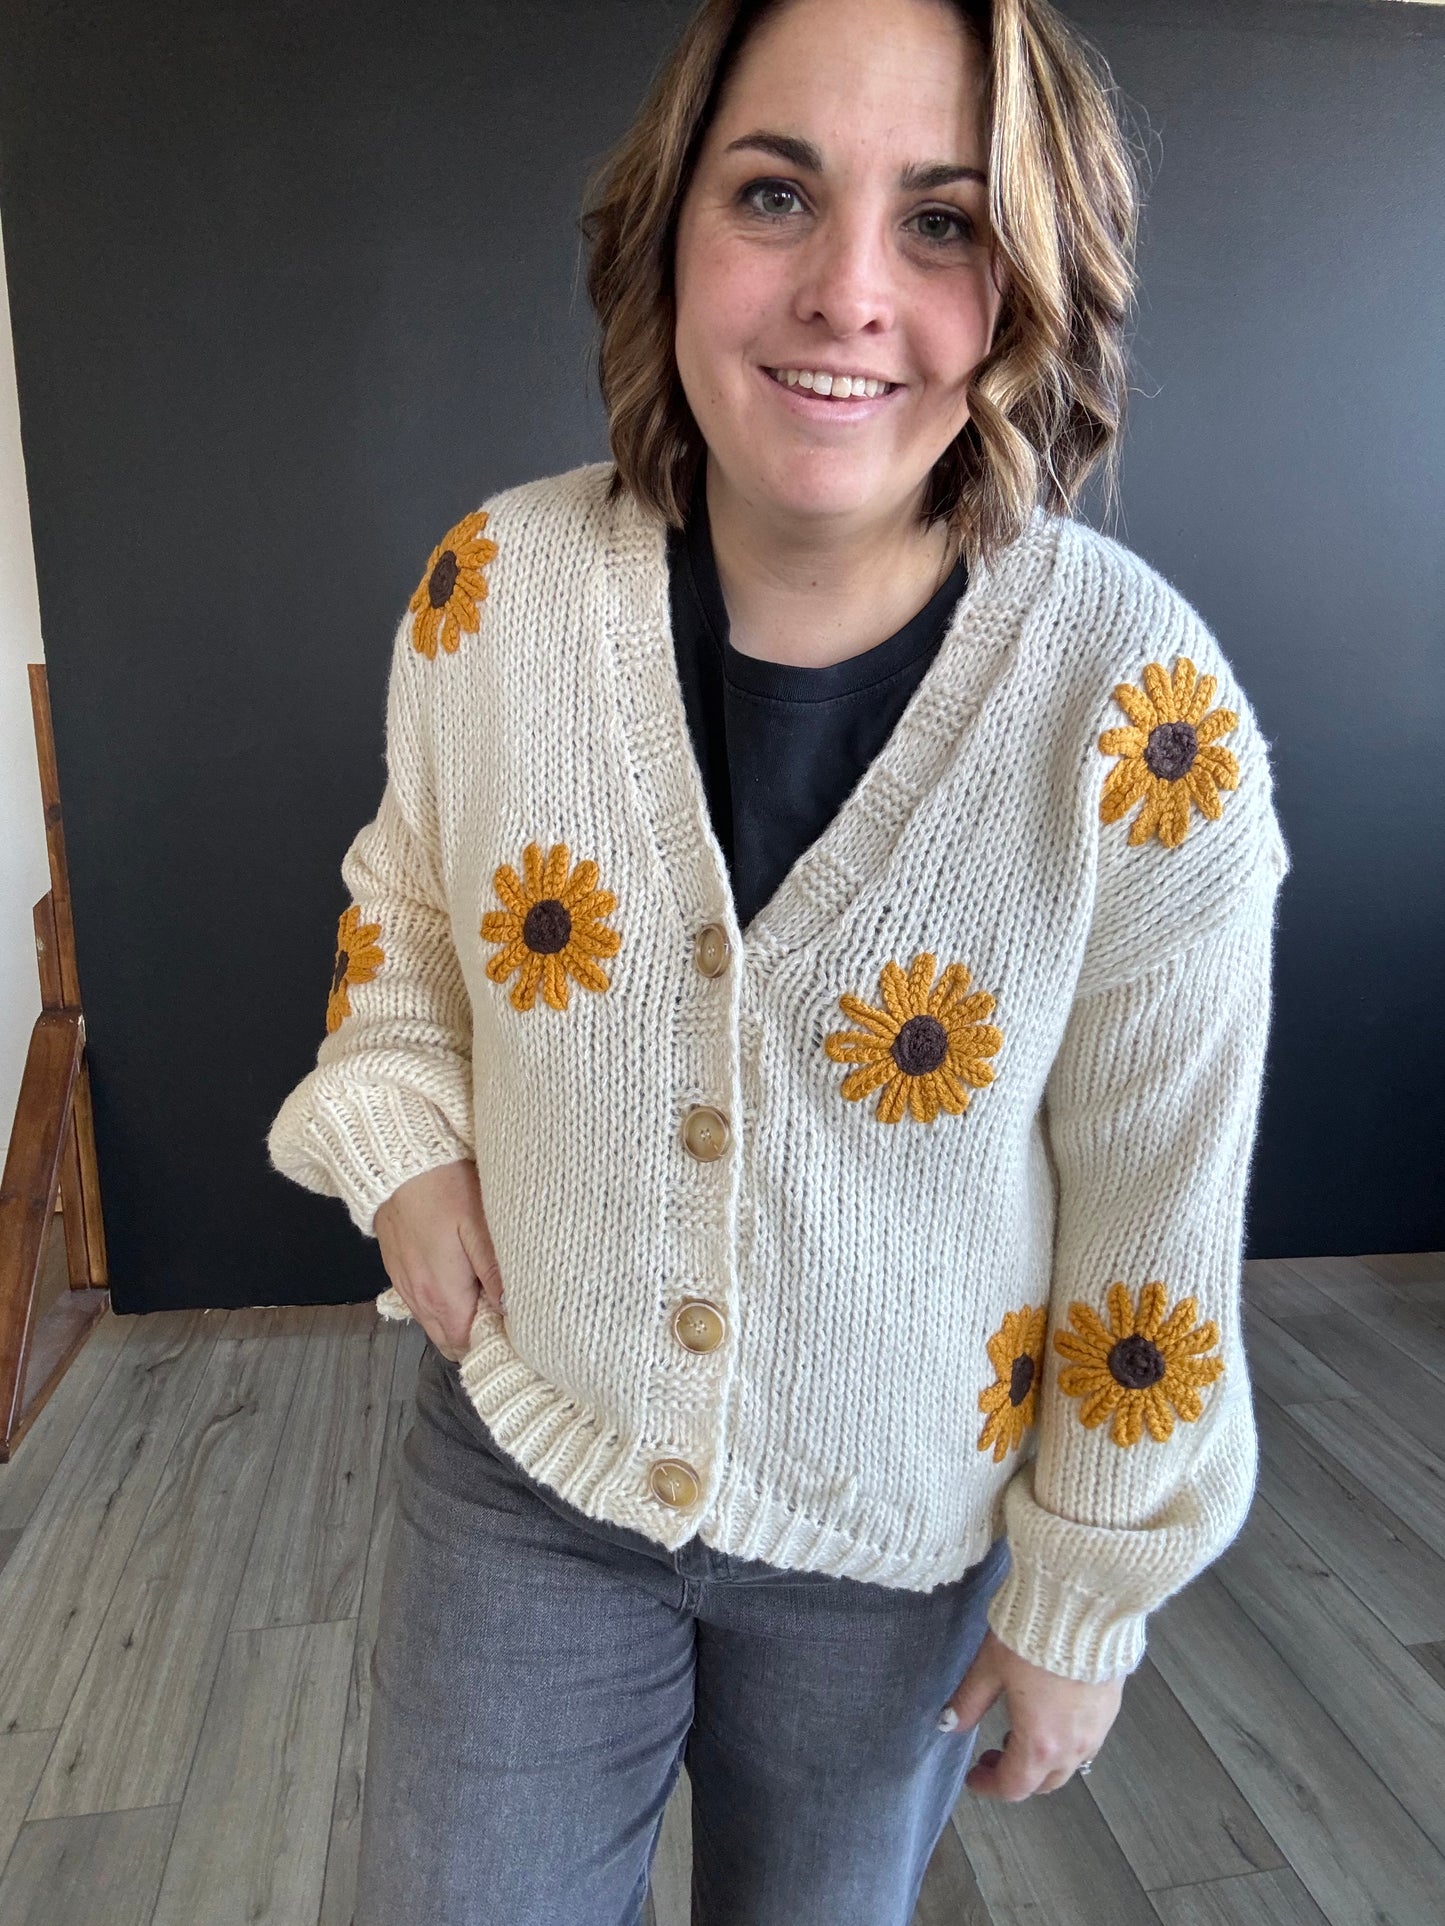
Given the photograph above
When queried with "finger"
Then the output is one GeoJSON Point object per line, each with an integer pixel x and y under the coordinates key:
{"type": "Point", "coordinates": [982, 1776]}
{"type": "Point", "coordinates": [429, 1323]}
{"type": "Point", "coordinates": [399, 1276]}
{"type": "Point", "coordinates": [476, 1241]}
{"type": "Point", "coordinates": [426, 1318]}
{"type": "Point", "coordinates": [1055, 1781]}
{"type": "Point", "coordinates": [969, 1704]}
{"type": "Point", "coordinates": [444, 1298]}
{"type": "Point", "coordinates": [1008, 1774]}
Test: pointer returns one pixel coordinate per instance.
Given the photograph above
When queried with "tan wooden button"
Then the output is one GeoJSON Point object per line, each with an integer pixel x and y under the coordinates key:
{"type": "Point", "coordinates": [705, 1132]}
{"type": "Point", "coordinates": [711, 949]}
{"type": "Point", "coordinates": [698, 1325]}
{"type": "Point", "coordinates": [674, 1482]}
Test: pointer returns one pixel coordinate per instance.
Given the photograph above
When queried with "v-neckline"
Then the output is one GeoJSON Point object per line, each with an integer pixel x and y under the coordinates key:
{"type": "Point", "coordinates": [979, 657]}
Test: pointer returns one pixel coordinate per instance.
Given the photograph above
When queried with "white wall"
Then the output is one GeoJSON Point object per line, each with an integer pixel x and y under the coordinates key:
{"type": "Point", "coordinates": [24, 875]}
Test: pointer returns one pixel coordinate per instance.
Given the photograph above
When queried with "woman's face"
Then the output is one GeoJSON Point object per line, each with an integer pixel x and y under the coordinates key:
{"type": "Point", "coordinates": [837, 222]}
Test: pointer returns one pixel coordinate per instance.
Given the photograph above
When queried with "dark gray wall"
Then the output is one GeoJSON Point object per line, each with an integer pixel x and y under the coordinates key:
{"type": "Point", "coordinates": [294, 286]}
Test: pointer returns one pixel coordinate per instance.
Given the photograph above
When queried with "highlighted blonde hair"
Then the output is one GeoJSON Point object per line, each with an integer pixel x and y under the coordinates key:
{"type": "Point", "coordinates": [1047, 402]}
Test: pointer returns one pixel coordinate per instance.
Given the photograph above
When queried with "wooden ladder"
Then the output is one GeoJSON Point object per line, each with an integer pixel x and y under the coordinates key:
{"type": "Point", "coordinates": [52, 1148]}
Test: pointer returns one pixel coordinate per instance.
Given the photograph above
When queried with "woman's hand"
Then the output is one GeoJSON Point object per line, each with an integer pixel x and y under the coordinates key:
{"type": "Point", "coordinates": [1056, 1724]}
{"type": "Point", "coordinates": [438, 1252]}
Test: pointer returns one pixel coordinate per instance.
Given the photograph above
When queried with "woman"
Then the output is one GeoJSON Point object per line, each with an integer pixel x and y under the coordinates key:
{"type": "Point", "coordinates": [809, 1121]}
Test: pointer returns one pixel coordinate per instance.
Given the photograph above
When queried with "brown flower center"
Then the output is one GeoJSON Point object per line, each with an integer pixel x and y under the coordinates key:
{"type": "Point", "coordinates": [547, 928]}
{"type": "Point", "coordinates": [1171, 749]}
{"type": "Point", "coordinates": [1136, 1363]}
{"type": "Point", "coordinates": [443, 580]}
{"type": "Point", "coordinates": [920, 1046]}
{"type": "Point", "coordinates": [1021, 1378]}
{"type": "Point", "coordinates": [338, 974]}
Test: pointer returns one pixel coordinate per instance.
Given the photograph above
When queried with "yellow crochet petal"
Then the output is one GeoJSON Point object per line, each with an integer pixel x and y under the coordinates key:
{"type": "Point", "coordinates": [1136, 706]}
{"type": "Point", "coordinates": [847, 1046]}
{"type": "Point", "coordinates": [1128, 1421]}
{"type": "Point", "coordinates": [1200, 701]}
{"type": "Point", "coordinates": [893, 1102]}
{"type": "Point", "coordinates": [1218, 723]}
{"type": "Point", "coordinates": [580, 886]}
{"type": "Point", "coordinates": [893, 986]}
{"type": "Point", "coordinates": [1160, 691]}
{"type": "Point", "coordinates": [948, 990]}
{"type": "Point", "coordinates": [1124, 742]}
{"type": "Point", "coordinates": [554, 981]}
{"type": "Point", "coordinates": [921, 1098]}
{"type": "Point", "coordinates": [1121, 1310]}
{"type": "Point", "coordinates": [920, 976]}
{"type": "Point", "coordinates": [1174, 815]}
{"type": "Point", "coordinates": [1151, 1309]}
{"type": "Point", "coordinates": [1182, 685]}
{"type": "Point", "coordinates": [876, 1021]}
{"type": "Point", "coordinates": [1203, 793]}
{"type": "Point", "coordinates": [1123, 786]}
{"type": "Point", "coordinates": [1222, 764]}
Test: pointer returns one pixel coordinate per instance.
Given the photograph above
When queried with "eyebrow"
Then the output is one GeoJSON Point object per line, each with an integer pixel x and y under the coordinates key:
{"type": "Point", "coordinates": [803, 154]}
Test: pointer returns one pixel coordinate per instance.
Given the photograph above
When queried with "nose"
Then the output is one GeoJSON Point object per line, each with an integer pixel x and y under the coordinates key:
{"type": "Point", "coordinates": [845, 276]}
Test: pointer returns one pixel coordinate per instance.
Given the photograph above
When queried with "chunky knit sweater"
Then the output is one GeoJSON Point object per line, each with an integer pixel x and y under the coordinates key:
{"type": "Point", "coordinates": [910, 1215]}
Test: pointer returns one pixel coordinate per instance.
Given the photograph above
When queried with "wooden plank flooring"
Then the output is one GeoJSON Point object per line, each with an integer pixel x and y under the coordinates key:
{"type": "Point", "coordinates": [192, 1544]}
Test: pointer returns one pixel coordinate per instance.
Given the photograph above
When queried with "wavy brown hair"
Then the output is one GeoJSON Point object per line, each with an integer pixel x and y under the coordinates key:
{"type": "Point", "coordinates": [1046, 404]}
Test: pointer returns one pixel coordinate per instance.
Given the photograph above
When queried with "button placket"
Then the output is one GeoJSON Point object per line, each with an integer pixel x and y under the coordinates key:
{"type": "Point", "coordinates": [698, 1325]}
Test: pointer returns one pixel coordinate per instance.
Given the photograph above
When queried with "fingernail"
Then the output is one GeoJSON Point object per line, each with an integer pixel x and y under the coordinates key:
{"type": "Point", "coordinates": [948, 1719]}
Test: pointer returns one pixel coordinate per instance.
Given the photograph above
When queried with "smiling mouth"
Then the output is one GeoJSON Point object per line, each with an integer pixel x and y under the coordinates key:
{"type": "Point", "coordinates": [883, 389]}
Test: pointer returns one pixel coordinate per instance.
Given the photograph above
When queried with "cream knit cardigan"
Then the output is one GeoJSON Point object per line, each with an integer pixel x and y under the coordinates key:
{"type": "Point", "coordinates": [989, 1066]}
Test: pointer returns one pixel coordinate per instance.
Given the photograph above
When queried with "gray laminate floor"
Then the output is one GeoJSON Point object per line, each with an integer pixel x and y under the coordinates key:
{"type": "Point", "coordinates": [192, 1540]}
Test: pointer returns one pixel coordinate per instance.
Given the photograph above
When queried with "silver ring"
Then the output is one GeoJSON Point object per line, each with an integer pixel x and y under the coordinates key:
{"type": "Point", "coordinates": [1086, 1767]}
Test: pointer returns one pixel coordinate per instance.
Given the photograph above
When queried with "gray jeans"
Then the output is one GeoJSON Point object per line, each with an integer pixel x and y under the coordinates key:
{"type": "Point", "coordinates": [540, 1678]}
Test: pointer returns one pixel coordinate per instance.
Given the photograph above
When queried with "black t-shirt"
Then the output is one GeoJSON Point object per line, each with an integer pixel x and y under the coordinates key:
{"type": "Point", "coordinates": [781, 748]}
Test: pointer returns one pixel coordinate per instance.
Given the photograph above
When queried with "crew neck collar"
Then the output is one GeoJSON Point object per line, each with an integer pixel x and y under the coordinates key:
{"type": "Point", "coordinates": [918, 636]}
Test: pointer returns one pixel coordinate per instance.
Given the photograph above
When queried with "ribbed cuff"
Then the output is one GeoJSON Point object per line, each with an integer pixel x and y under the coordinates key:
{"type": "Point", "coordinates": [392, 1304]}
{"type": "Point", "coordinates": [1056, 1624]}
{"type": "Point", "coordinates": [372, 1148]}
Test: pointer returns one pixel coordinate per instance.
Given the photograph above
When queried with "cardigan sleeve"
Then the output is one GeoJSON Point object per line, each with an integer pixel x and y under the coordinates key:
{"type": "Point", "coordinates": [391, 1093]}
{"type": "Point", "coordinates": [1147, 1451]}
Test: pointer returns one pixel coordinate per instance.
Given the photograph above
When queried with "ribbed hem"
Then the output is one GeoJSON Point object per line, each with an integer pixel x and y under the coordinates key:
{"type": "Point", "coordinates": [601, 1469]}
{"type": "Point", "coordinates": [1056, 1624]}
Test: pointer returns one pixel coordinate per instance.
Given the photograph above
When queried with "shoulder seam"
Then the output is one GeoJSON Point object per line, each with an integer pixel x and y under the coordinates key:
{"type": "Point", "coordinates": [1243, 908]}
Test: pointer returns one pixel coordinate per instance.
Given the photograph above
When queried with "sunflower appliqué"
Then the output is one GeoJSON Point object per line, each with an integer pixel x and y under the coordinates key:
{"type": "Point", "coordinates": [1171, 755]}
{"type": "Point", "coordinates": [1141, 1369]}
{"type": "Point", "coordinates": [921, 1048]}
{"type": "Point", "coordinates": [1016, 1351]}
{"type": "Point", "coordinates": [445, 603]}
{"type": "Point", "coordinates": [551, 927]}
{"type": "Point", "coordinates": [358, 958]}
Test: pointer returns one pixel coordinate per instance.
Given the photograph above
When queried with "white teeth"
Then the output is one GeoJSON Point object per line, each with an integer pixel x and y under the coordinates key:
{"type": "Point", "coordinates": [840, 387]}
